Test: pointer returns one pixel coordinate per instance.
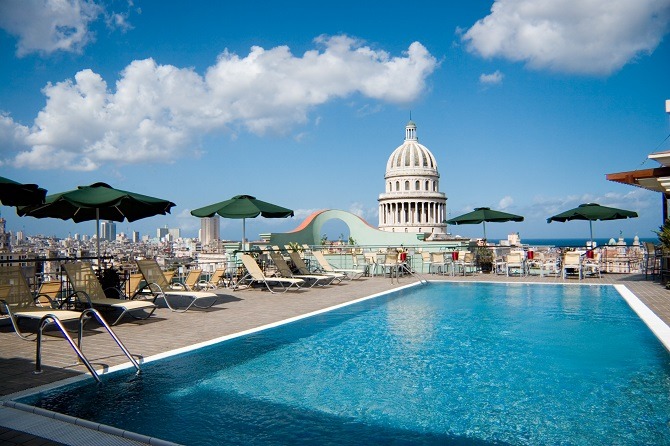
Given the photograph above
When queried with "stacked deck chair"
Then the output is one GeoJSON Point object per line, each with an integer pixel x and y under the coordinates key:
{"type": "Point", "coordinates": [350, 274]}
{"type": "Point", "coordinates": [255, 275]}
{"type": "Point", "coordinates": [285, 271]}
{"type": "Point", "coordinates": [86, 287]}
{"type": "Point", "coordinates": [18, 302]}
{"type": "Point", "coordinates": [158, 285]}
{"type": "Point", "coordinates": [302, 268]}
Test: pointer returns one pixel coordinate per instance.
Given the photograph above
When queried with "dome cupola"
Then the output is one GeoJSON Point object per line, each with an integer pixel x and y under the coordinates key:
{"type": "Point", "coordinates": [411, 157]}
{"type": "Point", "coordinates": [412, 201]}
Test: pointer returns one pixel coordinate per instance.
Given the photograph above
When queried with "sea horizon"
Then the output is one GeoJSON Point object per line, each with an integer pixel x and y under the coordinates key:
{"type": "Point", "coordinates": [574, 242]}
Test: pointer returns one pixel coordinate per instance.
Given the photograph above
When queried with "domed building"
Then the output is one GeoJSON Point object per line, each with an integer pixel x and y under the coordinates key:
{"type": "Point", "coordinates": [412, 201]}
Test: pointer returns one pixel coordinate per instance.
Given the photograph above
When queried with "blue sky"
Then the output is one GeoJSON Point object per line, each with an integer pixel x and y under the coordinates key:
{"type": "Point", "coordinates": [526, 105]}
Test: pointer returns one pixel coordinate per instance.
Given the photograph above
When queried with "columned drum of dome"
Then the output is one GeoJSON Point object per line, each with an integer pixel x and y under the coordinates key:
{"type": "Point", "coordinates": [412, 201]}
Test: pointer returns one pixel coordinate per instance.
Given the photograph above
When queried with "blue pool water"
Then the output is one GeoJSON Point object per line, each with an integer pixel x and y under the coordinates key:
{"type": "Point", "coordinates": [461, 364]}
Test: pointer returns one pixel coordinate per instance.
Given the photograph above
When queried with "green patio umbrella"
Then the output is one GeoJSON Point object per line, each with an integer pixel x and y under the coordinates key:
{"type": "Point", "coordinates": [482, 215]}
{"type": "Point", "coordinates": [592, 212]}
{"type": "Point", "coordinates": [243, 206]}
{"type": "Point", "coordinates": [95, 202]}
{"type": "Point", "coordinates": [13, 193]}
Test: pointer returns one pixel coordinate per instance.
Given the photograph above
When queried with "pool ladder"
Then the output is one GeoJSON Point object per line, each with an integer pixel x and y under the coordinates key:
{"type": "Point", "coordinates": [405, 268]}
{"type": "Point", "coordinates": [51, 318]}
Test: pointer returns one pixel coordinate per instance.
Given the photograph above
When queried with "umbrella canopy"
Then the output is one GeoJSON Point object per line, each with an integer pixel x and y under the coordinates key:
{"type": "Point", "coordinates": [18, 194]}
{"type": "Point", "coordinates": [243, 206]}
{"type": "Point", "coordinates": [482, 215]}
{"type": "Point", "coordinates": [95, 202]}
{"type": "Point", "coordinates": [592, 212]}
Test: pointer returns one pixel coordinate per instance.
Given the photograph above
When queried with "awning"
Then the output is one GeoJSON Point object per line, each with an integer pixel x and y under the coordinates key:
{"type": "Point", "coordinates": [657, 180]}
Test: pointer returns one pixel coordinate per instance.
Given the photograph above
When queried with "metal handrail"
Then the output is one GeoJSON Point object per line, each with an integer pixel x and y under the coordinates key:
{"type": "Point", "coordinates": [77, 347]}
{"type": "Point", "coordinates": [102, 322]}
{"type": "Point", "coordinates": [38, 351]}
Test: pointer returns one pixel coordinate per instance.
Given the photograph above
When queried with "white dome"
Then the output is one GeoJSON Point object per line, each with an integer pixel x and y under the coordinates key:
{"type": "Point", "coordinates": [411, 158]}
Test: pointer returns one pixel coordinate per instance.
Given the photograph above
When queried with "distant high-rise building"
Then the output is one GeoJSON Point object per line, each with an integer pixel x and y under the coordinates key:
{"type": "Point", "coordinates": [108, 231]}
{"type": "Point", "coordinates": [4, 235]}
{"type": "Point", "coordinates": [136, 236]}
{"type": "Point", "coordinates": [161, 233]}
{"type": "Point", "coordinates": [174, 233]}
{"type": "Point", "coordinates": [209, 229]}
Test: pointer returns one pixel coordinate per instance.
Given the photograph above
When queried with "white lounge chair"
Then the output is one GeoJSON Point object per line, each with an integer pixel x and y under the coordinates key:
{"type": "Point", "coordinates": [158, 285]}
{"type": "Point", "coordinates": [572, 264]}
{"type": "Point", "coordinates": [350, 274]}
{"type": "Point", "coordinates": [255, 275]}
{"type": "Point", "coordinates": [516, 262]}
{"type": "Point", "coordinates": [303, 269]}
{"type": "Point", "coordinates": [87, 288]}
{"type": "Point", "coordinates": [285, 271]}
{"type": "Point", "coordinates": [18, 302]}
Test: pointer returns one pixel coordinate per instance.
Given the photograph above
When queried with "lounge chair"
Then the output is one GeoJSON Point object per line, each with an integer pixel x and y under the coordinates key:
{"type": "Point", "coordinates": [18, 301]}
{"type": "Point", "coordinates": [169, 275]}
{"type": "Point", "coordinates": [216, 280]}
{"type": "Point", "coordinates": [285, 271]}
{"type": "Point", "coordinates": [591, 265]}
{"type": "Point", "coordinates": [390, 263]}
{"type": "Point", "coordinates": [87, 287]}
{"type": "Point", "coordinates": [572, 264]}
{"type": "Point", "coordinates": [371, 261]}
{"type": "Point", "coordinates": [48, 293]}
{"type": "Point", "coordinates": [191, 281]}
{"type": "Point", "coordinates": [516, 262]}
{"type": "Point", "coordinates": [350, 274]}
{"type": "Point", "coordinates": [255, 275]}
{"type": "Point", "coordinates": [302, 268]}
{"type": "Point", "coordinates": [160, 287]}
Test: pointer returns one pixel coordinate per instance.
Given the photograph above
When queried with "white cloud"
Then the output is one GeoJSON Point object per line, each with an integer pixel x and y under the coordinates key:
{"type": "Point", "coordinates": [48, 25]}
{"type": "Point", "coordinates": [505, 202]}
{"type": "Point", "coordinates": [369, 214]}
{"type": "Point", "coordinates": [158, 112]}
{"type": "Point", "coordinates": [576, 36]}
{"type": "Point", "coordinates": [494, 78]}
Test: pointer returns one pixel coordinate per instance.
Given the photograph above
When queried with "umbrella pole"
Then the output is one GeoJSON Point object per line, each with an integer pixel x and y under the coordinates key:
{"type": "Point", "coordinates": [591, 230]}
{"type": "Point", "coordinates": [244, 231]}
{"type": "Point", "coordinates": [97, 234]}
{"type": "Point", "coordinates": [484, 230]}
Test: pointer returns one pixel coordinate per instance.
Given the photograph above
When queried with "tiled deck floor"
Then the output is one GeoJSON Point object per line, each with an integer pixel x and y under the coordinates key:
{"type": "Point", "coordinates": [234, 312]}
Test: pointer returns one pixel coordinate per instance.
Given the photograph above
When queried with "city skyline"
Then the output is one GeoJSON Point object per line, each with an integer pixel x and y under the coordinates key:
{"type": "Point", "coordinates": [302, 106]}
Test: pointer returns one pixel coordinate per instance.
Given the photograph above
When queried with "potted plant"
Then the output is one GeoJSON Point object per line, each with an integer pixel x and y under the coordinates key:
{"type": "Point", "coordinates": [484, 258]}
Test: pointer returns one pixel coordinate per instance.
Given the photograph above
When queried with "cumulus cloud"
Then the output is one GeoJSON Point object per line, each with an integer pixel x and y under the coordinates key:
{"type": "Point", "coordinates": [575, 36]}
{"type": "Point", "coordinates": [48, 25]}
{"type": "Point", "coordinates": [505, 202]}
{"type": "Point", "coordinates": [156, 111]}
{"type": "Point", "coordinates": [494, 78]}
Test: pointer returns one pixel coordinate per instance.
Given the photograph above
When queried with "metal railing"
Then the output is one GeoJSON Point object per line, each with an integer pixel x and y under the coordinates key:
{"type": "Point", "coordinates": [85, 315]}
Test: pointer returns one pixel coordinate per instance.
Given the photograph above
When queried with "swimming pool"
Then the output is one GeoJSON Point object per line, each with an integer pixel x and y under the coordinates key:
{"type": "Point", "coordinates": [436, 364]}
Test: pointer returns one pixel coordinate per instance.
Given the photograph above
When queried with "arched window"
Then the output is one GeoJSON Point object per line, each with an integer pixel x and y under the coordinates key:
{"type": "Point", "coordinates": [434, 186]}
{"type": "Point", "coordinates": [397, 186]}
{"type": "Point", "coordinates": [427, 183]}
{"type": "Point", "coordinates": [390, 187]}
{"type": "Point", "coordinates": [406, 185]}
{"type": "Point", "coordinates": [417, 185]}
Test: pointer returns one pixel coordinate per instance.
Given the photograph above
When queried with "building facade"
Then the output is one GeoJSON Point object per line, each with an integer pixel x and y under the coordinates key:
{"type": "Point", "coordinates": [108, 230]}
{"type": "Point", "coordinates": [412, 201]}
{"type": "Point", "coordinates": [209, 230]}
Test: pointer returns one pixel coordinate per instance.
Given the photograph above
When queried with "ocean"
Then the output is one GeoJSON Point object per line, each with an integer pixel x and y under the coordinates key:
{"type": "Point", "coordinates": [578, 242]}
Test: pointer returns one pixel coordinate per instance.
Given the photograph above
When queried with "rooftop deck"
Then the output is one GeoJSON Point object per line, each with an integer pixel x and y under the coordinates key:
{"type": "Point", "coordinates": [234, 312]}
